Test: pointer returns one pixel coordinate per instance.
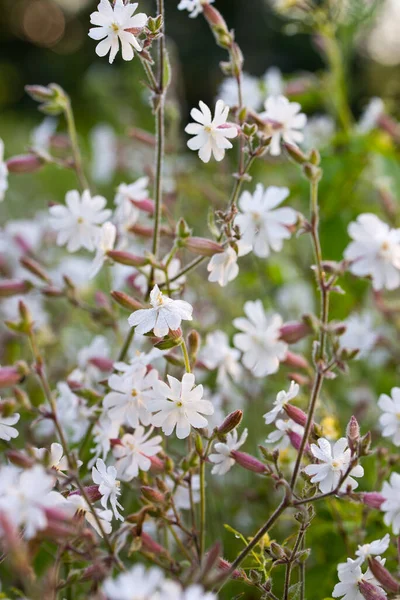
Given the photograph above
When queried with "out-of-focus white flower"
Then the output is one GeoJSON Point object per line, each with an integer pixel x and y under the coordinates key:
{"type": "Point", "coordinates": [383, 43]}
{"type": "Point", "coordinates": [218, 354]}
{"type": "Point", "coordinates": [104, 430]}
{"type": "Point", "coordinates": [334, 462]}
{"type": "Point", "coordinates": [260, 339]}
{"type": "Point", "coordinates": [72, 412]}
{"type": "Point", "coordinates": [103, 142]}
{"type": "Point", "coordinates": [113, 25]}
{"type": "Point", "coordinates": [369, 118]}
{"type": "Point", "coordinates": [211, 134]}
{"type": "Point", "coordinates": [350, 576]}
{"type": "Point", "coordinates": [138, 190]}
{"type": "Point", "coordinates": [128, 400]}
{"type": "Point", "coordinates": [138, 583]}
{"type": "Point", "coordinates": [140, 359]}
{"type": "Point", "coordinates": [282, 398]}
{"type": "Point", "coordinates": [390, 419]}
{"type": "Point", "coordinates": [104, 243]}
{"type": "Point", "coordinates": [77, 268]}
{"type": "Point", "coordinates": [7, 431]}
{"type": "Point", "coordinates": [295, 297]}
{"type": "Point", "coordinates": [54, 458]}
{"type": "Point", "coordinates": [166, 314]}
{"type": "Point", "coordinates": [182, 494]}
{"type": "Point", "coordinates": [109, 487]}
{"type": "Point", "coordinates": [286, 121]}
{"type": "Point", "coordinates": [391, 504]}
{"type": "Point", "coordinates": [3, 173]}
{"type": "Point", "coordinates": [179, 405]}
{"type": "Point", "coordinates": [318, 132]}
{"type": "Point", "coordinates": [374, 251]}
{"type": "Point", "coordinates": [98, 348]}
{"type": "Point", "coordinates": [77, 503]}
{"type": "Point", "coordinates": [375, 548]}
{"type": "Point", "coordinates": [263, 227]}
{"type": "Point", "coordinates": [41, 135]}
{"type": "Point", "coordinates": [134, 451]}
{"type": "Point", "coordinates": [78, 222]}
{"type": "Point", "coordinates": [280, 436]}
{"type": "Point", "coordinates": [223, 267]}
{"type": "Point", "coordinates": [171, 590]}
{"type": "Point", "coordinates": [222, 452]}
{"type": "Point", "coordinates": [359, 334]}
{"type": "Point", "coordinates": [251, 91]}
{"type": "Point", "coordinates": [160, 277]}
{"type": "Point", "coordinates": [195, 7]}
{"type": "Point", "coordinates": [273, 82]}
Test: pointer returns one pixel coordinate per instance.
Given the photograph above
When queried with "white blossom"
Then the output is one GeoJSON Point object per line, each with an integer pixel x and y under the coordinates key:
{"type": "Point", "coordinates": [128, 400]}
{"type": "Point", "coordinates": [211, 134]}
{"type": "Point", "coordinates": [126, 193]}
{"type": "Point", "coordinates": [218, 354]}
{"type": "Point", "coordinates": [391, 504]}
{"type": "Point", "coordinates": [179, 405]}
{"type": "Point", "coordinates": [280, 436]}
{"type": "Point", "coordinates": [390, 418]}
{"type": "Point", "coordinates": [109, 487]}
{"type": "Point", "coordinates": [286, 121]}
{"type": "Point", "coordinates": [273, 81]}
{"type": "Point", "coordinates": [81, 508]}
{"type": "Point", "coordinates": [318, 132]}
{"type": "Point", "coordinates": [333, 464]}
{"type": "Point", "coordinates": [41, 135]}
{"type": "Point", "coordinates": [282, 398]}
{"type": "Point", "coordinates": [112, 27]}
{"type": "Point", "coordinates": [54, 458]}
{"type": "Point", "coordinates": [171, 590]}
{"type": "Point", "coordinates": [164, 315]}
{"type": "Point", "coordinates": [7, 431]}
{"type": "Point", "coordinates": [251, 91]}
{"type": "Point", "coordinates": [263, 227]}
{"type": "Point", "coordinates": [104, 243]}
{"type": "Point", "coordinates": [350, 576]}
{"type": "Point", "coordinates": [78, 222]}
{"type": "Point", "coordinates": [370, 116]}
{"type": "Point", "coordinates": [160, 276]}
{"type": "Point", "coordinates": [104, 146]}
{"type": "Point", "coordinates": [134, 451]}
{"type": "Point", "coordinates": [374, 251]}
{"type": "Point", "coordinates": [260, 339]}
{"type": "Point", "coordinates": [221, 457]}
{"type": "Point", "coordinates": [223, 267]}
{"type": "Point", "coordinates": [3, 173]}
{"type": "Point", "coordinates": [138, 583]}
{"type": "Point", "coordinates": [194, 7]}
{"type": "Point", "coordinates": [375, 548]}
{"type": "Point", "coordinates": [359, 335]}
{"type": "Point", "coordinates": [72, 412]}
{"type": "Point", "coordinates": [103, 431]}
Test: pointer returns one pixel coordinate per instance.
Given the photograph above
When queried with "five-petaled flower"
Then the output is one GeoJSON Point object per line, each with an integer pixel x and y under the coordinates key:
{"type": "Point", "coordinates": [285, 121]}
{"type": "Point", "coordinates": [282, 398]}
{"type": "Point", "coordinates": [109, 487]}
{"type": "Point", "coordinates": [390, 418]}
{"type": "Point", "coordinates": [221, 457]}
{"type": "Point", "coordinates": [134, 452]}
{"type": "Point", "coordinates": [223, 267]}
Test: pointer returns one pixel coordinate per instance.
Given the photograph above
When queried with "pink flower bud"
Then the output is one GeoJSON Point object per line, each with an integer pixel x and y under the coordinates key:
{"type": "Point", "coordinates": [372, 499]}
{"type": "Point", "coordinates": [9, 376]}
{"type": "Point", "coordinates": [300, 379]}
{"type": "Point", "coordinates": [230, 422]}
{"type": "Point", "coordinates": [224, 565]}
{"type": "Point", "coordinates": [202, 246]}
{"type": "Point", "coordinates": [146, 205]}
{"type": "Point", "coordinates": [153, 495]}
{"type": "Point", "coordinates": [296, 414]}
{"type": "Point", "coordinates": [157, 465]}
{"type": "Point", "coordinates": [370, 591]}
{"type": "Point", "coordinates": [92, 492]}
{"type": "Point", "coordinates": [296, 360]}
{"type": "Point", "coordinates": [102, 363]}
{"type": "Point", "coordinates": [248, 462]}
{"type": "Point", "coordinates": [34, 267]}
{"type": "Point", "coordinates": [214, 17]}
{"type": "Point", "coordinates": [151, 545]}
{"type": "Point", "coordinates": [293, 332]}
{"type": "Point", "coordinates": [382, 575]}
{"type": "Point", "coordinates": [24, 163]}
{"type": "Point", "coordinates": [126, 258]}
{"type": "Point", "coordinates": [353, 432]}
{"type": "Point", "coordinates": [296, 439]}
{"type": "Point", "coordinates": [126, 301]}
{"type": "Point", "coordinates": [14, 287]}
{"type": "Point", "coordinates": [18, 458]}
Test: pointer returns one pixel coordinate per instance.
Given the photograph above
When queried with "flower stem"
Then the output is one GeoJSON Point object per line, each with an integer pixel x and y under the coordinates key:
{"type": "Point", "coordinates": [69, 115]}
{"type": "Point", "coordinates": [126, 344]}
{"type": "Point", "coordinates": [186, 356]}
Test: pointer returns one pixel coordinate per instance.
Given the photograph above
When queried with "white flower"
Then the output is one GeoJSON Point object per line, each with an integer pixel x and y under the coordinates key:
{"type": "Point", "coordinates": [318, 132]}
{"type": "Point", "coordinates": [171, 590]}
{"type": "Point", "coordinates": [261, 227]}
{"type": "Point", "coordinates": [105, 242]}
{"type": "Point", "coordinates": [391, 505]}
{"type": "Point", "coordinates": [350, 576]}
{"type": "Point", "coordinates": [7, 432]}
{"type": "Point", "coordinates": [390, 419]}
{"type": "Point", "coordinates": [138, 583]}
{"type": "Point", "coordinates": [164, 315]}
{"type": "Point", "coordinates": [134, 451]}
{"type": "Point", "coordinates": [79, 505]}
{"type": "Point", "coordinates": [217, 354]}
{"type": "Point", "coordinates": [53, 458]}
{"type": "Point", "coordinates": [251, 92]}
{"type": "Point", "coordinates": [160, 276]}
{"type": "Point", "coordinates": [375, 548]}
{"type": "Point", "coordinates": [104, 145]}
{"type": "Point", "coordinates": [180, 405]}
{"type": "Point", "coordinates": [370, 116]}
{"type": "Point", "coordinates": [211, 134]}
{"type": "Point", "coordinates": [334, 462]}
{"type": "Point", "coordinates": [126, 210]}
{"type": "Point", "coordinates": [3, 173]}
{"type": "Point", "coordinates": [109, 486]}
{"type": "Point", "coordinates": [112, 27]}
{"type": "Point", "coordinates": [222, 458]}
{"type": "Point", "coordinates": [359, 334]}
{"type": "Point", "coordinates": [280, 436]}
{"type": "Point", "coordinates": [273, 81]}
{"type": "Point", "coordinates": [282, 398]}
{"type": "Point", "coordinates": [262, 349]}
{"type": "Point", "coordinates": [223, 267]}
{"type": "Point", "coordinates": [129, 398]}
{"type": "Point", "coordinates": [72, 412]}
{"type": "Point", "coordinates": [375, 251]}
{"type": "Point", "coordinates": [140, 359]}
{"type": "Point", "coordinates": [195, 7]}
{"type": "Point", "coordinates": [78, 222]}
{"type": "Point", "coordinates": [285, 120]}
{"type": "Point", "coordinates": [104, 430]}
{"type": "Point", "coordinates": [41, 135]}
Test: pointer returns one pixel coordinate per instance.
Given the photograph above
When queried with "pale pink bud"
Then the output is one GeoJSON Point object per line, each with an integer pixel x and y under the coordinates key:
{"type": "Point", "coordinates": [230, 422]}
{"type": "Point", "coordinates": [370, 591]}
{"type": "Point", "coordinates": [146, 205]}
{"type": "Point", "coordinates": [214, 17]}
{"type": "Point", "coordinates": [202, 246]}
{"type": "Point", "coordinates": [353, 432]}
{"type": "Point", "coordinates": [92, 492]}
{"type": "Point", "coordinates": [296, 440]}
{"type": "Point", "coordinates": [248, 462]}
{"type": "Point", "coordinates": [300, 379]}
{"type": "Point", "coordinates": [126, 301]}
{"type": "Point", "coordinates": [296, 360]}
{"type": "Point", "coordinates": [382, 575]}
{"type": "Point", "coordinates": [102, 363]}
{"type": "Point", "coordinates": [296, 414]}
{"type": "Point", "coordinates": [14, 287]}
{"type": "Point", "coordinates": [372, 499]}
{"type": "Point", "coordinates": [126, 258]}
{"type": "Point", "coordinates": [151, 545]}
{"type": "Point", "coordinates": [153, 495]}
{"type": "Point", "coordinates": [224, 565]}
{"type": "Point", "coordinates": [294, 331]}
{"type": "Point", "coordinates": [24, 163]}
{"type": "Point", "coordinates": [18, 458]}
{"type": "Point", "coordinates": [157, 465]}
{"type": "Point", "coordinates": [9, 376]}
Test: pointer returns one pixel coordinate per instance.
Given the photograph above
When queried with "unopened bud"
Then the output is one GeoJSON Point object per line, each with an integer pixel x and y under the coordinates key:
{"type": "Point", "coordinates": [39, 93]}
{"type": "Point", "coordinates": [182, 229]}
{"type": "Point", "coordinates": [126, 301]}
{"type": "Point", "coordinates": [9, 376]}
{"type": "Point", "coordinates": [146, 205]}
{"type": "Point", "coordinates": [203, 246]}
{"type": "Point", "coordinates": [296, 414]}
{"type": "Point", "coordinates": [14, 287]}
{"type": "Point", "coordinates": [194, 342]}
{"type": "Point", "coordinates": [92, 492]}
{"type": "Point", "coordinates": [296, 440]}
{"type": "Point", "coordinates": [126, 258]}
{"type": "Point", "coordinates": [382, 575]}
{"type": "Point", "coordinates": [24, 163]}
{"type": "Point", "coordinates": [18, 458]}
{"type": "Point", "coordinates": [372, 499]}
{"type": "Point", "coordinates": [312, 172]}
{"type": "Point", "coordinates": [153, 495]}
{"type": "Point", "coordinates": [157, 465]}
{"type": "Point", "coordinates": [315, 157]}
{"type": "Point", "coordinates": [214, 17]}
{"type": "Point", "coordinates": [365, 444]}
{"type": "Point", "coordinates": [371, 591]}
{"type": "Point", "coordinates": [230, 422]}
{"type": "Point", "coordinates": [102, 363]}
{"type": "Point", "coordinates": [295, 154]}
{"type": "Point", "coordinates": [35, 268]}
{"type": "Point", "coordinates": [248, 462]}
{"type": "Point", "coordinates": [293, 332]}
{"type": "Point", "coordinates": [353, 433]}
{"type": "Point", "coordinates": [224, 565]}
{"type": "Point", "coordinates": [296, 360]}
{"type": "Point", "coordinates": [151, 545]}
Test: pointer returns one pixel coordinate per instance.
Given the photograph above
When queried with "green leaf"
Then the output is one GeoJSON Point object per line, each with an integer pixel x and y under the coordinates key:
{"type": "Point", "coordinates": [294, 591]}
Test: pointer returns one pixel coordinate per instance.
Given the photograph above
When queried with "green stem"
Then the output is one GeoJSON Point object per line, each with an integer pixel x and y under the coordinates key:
{"type": "Point", "coordinates": [73, 135]}
{"type": "Point", "coordinates": [186, 356]}
{"type": "Point", "coordinates": [126, 345]}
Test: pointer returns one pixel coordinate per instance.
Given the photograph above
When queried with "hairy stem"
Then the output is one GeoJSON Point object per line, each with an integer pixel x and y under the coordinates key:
{"type": "Point", "coordinates": [73, 135]}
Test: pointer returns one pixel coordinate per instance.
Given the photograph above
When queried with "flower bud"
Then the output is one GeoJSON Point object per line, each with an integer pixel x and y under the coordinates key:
{"type": "Point", "coordinates": [214, 17]}
{"type": "Point", "coordinates": [52, 292]}
{"type": "Point", "coordinates": [370, 591]}
{"type": "Point", "coordinates": [296, 414]}
{"type": "Point", "coordinates": [312, 172]}
{"type": "Point", "coordinates": [296, 440]}
{"type": "Point", "coordinates": [202, 246]}
{"type": "Point", "coordinates": [151, 545]}
{"type": "Point", "coordinates": [126, 258]}
{"type": "Point", "coordinates": [224, 565]}
{"type": "Point", "coordinates": [295, 154]}
{"type": "Point", "coordinates": [365, 444]}
{"type": "Point", "coordinates": [40, 93]}
{"type": "Point", "coordinates": [146, 205]}
{"type": "Point", "coordinates": [315, 157]}
{"type": "Point", "coordinates": [293, 332]}
{"type": "Point", "coordinates": [248, 462]}
{"type": "Point", "coordinates": [18, 458]}
{"type": "Point", "coordinates": [9, 376]}
{"type": "Point", "coordinates": [230, 422]}
{"type": "Point", "coordinates": [372, 499]}
{"type": "Point", "coordinates": [102, 363]}
{"type": "Point", "coordinates": [353, 433]}
{"type": "Point", "coordinates": [14, 287]}
{"type": "Point", "coordinates": [24, 163]}
{"type": "Point", "coordinates": [194, 342]}
{"type": "Point", "coordinates": [35, 268]}
{"type": "Point", "coordinates": [92, 492]}
{"type": "Point", "coordinates": [157, 465]}
{"type": "Point", "coordinates": [382, 575]}
{"type": "Point", "coordinates": [126, 301]}
{"type": "Point", "coordinates": [296, 360]}
{"type": "Point", "coordinates": [153, 495]}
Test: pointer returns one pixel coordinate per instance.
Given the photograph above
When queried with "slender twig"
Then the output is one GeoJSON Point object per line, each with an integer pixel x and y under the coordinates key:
{"type": "Point", "coordinates": [126, 344]}
{"type": "Point", "coordinates": [73, 135]}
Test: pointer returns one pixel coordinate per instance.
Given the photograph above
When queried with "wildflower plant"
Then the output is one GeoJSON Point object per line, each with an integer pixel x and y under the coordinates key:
{"type": "Point", "coordinates": [177, 420]}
